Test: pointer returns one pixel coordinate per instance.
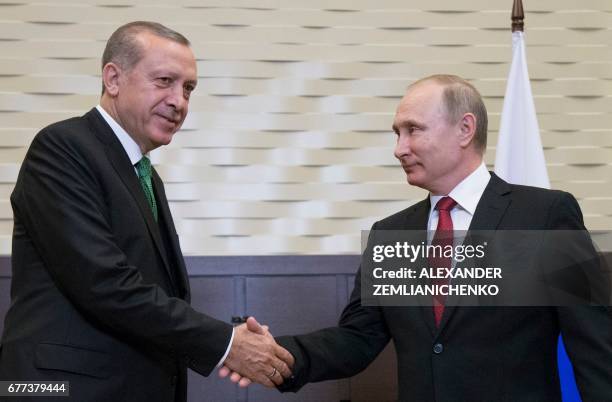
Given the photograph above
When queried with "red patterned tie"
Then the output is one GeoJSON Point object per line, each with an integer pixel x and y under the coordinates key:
{"type": "Point", "coordinates": [443, 237]}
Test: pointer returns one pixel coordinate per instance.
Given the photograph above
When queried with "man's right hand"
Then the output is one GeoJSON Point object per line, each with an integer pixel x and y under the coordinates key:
{"type": "Point", "coordinates": [255, 356]}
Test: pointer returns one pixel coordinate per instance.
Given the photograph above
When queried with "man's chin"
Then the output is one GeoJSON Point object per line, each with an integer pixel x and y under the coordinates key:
{"type": "Point", "coordinates": [413, 180]}
{"type": "Point", "coordinates": [162, 139]}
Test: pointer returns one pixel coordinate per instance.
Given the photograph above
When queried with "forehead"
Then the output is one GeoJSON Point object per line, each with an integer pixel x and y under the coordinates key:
{"type": "Point", "coordinates": [166, 54]}
{"type": "Point", "coordinates": [421, 102]}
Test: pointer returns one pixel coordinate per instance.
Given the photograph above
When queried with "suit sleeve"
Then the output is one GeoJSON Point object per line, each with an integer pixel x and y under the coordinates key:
{"type": "Point", "coordinates": [338, 352]}
{"type": "Point", "coordinates": [61, 205]}
{"type": "Point", "coordinates": [586, 330]}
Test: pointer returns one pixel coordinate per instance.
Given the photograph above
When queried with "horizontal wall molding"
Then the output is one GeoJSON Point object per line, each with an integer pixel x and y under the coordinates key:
{"type": "Point", "coordinates": [275, 265]}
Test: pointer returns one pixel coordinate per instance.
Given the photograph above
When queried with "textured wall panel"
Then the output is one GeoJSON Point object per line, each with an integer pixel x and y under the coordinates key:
{"type": "Point", "coordinates": [288, 147]}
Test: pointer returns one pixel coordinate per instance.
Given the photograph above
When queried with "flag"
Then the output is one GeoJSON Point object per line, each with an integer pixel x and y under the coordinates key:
{"type": "Point", "coordinates": [519, 159]}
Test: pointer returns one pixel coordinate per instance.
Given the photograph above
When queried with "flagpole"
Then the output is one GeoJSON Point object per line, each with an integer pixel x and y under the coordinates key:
{"type": "Point", "coordinates": [569, 390]}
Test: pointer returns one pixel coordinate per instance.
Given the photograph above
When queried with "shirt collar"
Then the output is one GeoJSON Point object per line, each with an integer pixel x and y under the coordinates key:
{"type": "Point", "coordinates": [129, 145]}
{"type": "Point", "coordinates": [468, 192]}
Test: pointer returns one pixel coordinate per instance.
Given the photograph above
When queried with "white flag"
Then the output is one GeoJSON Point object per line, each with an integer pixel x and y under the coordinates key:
{"type": "Point", "coordinates": [519, 158]}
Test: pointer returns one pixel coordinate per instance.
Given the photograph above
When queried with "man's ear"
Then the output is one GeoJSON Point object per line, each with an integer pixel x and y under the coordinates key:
{"type": "Point", "coordinates": [467, 129]}
{"type": "Point", "coordinates": [110, 77]}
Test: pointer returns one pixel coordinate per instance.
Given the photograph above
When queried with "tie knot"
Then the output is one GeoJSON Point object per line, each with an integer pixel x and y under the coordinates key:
{"type": "Point", "coordinates": [446, 204]}
{"type": "Point", "coordinates": [144, 167]}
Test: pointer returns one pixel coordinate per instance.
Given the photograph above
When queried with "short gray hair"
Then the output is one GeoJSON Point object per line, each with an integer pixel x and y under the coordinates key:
{"type": "Point", "coordinates": [460, 97]}
{"type": "Point", "coordinates": [124, 50]}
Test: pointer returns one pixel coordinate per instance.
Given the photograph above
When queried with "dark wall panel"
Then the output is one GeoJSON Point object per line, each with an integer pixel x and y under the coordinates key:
{"type": "Point", "coordinates": [294, 305]}
{"type": "Point", "coordinates": [215, 297]}
{"type": "Point", "coordinates": [379, 379]}
{"type": "Point", "coordinates": [5, 298]}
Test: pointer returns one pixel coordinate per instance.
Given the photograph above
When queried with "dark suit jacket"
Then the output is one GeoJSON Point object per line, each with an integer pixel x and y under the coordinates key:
{"type": "Point", "coordinates": [100, 294]}
{"type": "Point", "coordinates": [487, 354]}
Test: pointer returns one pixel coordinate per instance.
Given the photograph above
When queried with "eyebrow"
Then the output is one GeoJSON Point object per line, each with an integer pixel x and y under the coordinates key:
{"type": "Point", "coordinates": [406, 123]}
{"type": "Point", "coordinates": [172, 74]}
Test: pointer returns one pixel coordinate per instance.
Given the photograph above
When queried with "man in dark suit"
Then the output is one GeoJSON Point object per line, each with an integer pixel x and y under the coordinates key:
{"type": "Point", "coordinates": [100, 293]}
{"type": "Point", "coordinates": [458, 353]}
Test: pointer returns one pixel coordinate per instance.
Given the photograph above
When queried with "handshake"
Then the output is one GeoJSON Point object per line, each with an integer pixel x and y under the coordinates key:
{"type": "Point", "coordinates": [256, 357]}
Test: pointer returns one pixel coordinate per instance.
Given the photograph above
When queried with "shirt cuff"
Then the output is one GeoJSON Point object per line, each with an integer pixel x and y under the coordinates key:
{"type": "Point", "coordinates": [229, 346]}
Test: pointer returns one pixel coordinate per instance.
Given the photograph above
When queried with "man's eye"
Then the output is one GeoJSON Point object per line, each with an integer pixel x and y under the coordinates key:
{"type": "Point", "coordinates": [187, 89]}
{"type": "Point", "coordinates": [164, 80]}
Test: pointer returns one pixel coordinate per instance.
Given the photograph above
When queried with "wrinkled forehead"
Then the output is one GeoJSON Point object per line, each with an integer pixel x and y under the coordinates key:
{"type": "Point", "coordinates": [159, 51]}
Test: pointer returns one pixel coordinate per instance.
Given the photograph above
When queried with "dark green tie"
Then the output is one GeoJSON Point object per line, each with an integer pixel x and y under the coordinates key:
{"type": "Point", "coordinates": [144, 175]}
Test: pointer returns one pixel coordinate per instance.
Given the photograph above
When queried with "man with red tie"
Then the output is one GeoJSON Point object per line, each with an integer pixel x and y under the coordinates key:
{"type": "Point", "coordinates": [461, 353]}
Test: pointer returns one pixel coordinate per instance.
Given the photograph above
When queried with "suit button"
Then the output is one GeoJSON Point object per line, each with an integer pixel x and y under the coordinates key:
{"type": "Point", "coordinates": [438, 348]}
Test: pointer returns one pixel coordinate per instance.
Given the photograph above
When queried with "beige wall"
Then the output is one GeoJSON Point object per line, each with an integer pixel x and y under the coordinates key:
{"type": "Point", "coordinates": [288, 147]}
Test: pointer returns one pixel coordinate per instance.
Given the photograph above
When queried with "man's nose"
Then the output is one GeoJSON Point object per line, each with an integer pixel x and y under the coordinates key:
{"type": "Point", "coordinates": [176, 98]}
{"type": "Point", "coordinates": [402, 146]}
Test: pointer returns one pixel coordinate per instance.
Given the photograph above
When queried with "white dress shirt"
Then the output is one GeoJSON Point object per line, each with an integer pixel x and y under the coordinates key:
{"type": "Point", "coordinates": [467, 195]}
{"type": "Point", "coordinates": [135, 154]}
{"type": "Point", "coordinates": [128, 143]}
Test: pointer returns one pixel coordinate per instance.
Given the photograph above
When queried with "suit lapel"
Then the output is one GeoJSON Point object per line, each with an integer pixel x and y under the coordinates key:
{"type": "Point", "coordinates": [417, 220]}
{"type": "Point", "coordinates": [125, 170]}
{"type": "Point", "coordinates": [488, 215]}
{"type": "Point", "coordinates": [168, 225]}
{"type": "Point", "coordinates": [418, 216]}
{"type": "Point", "coordinates": [492, 205]}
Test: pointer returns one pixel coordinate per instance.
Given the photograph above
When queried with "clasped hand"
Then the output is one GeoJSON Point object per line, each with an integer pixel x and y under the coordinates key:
{"type": "Point", "coordinates": [256, 357]}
